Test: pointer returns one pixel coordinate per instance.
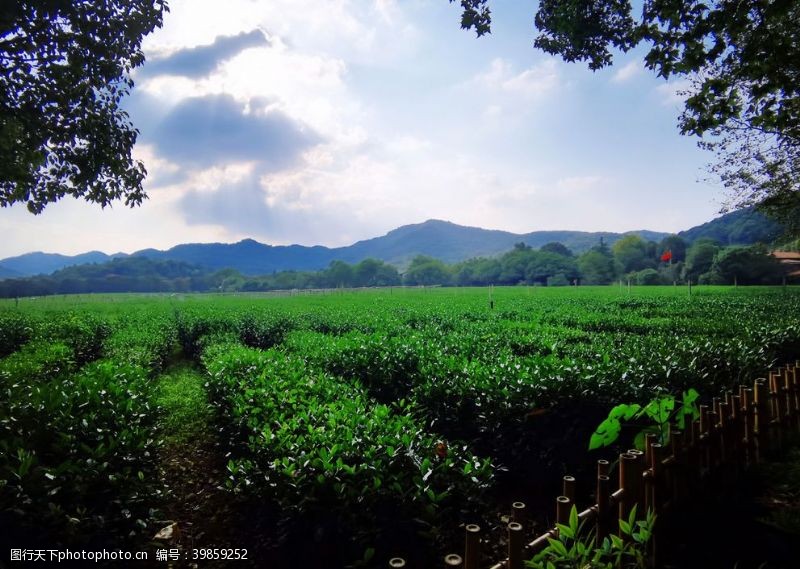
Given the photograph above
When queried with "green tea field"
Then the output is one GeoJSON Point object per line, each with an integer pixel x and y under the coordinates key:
{"type": "Point", "coordinates": [340, 428]}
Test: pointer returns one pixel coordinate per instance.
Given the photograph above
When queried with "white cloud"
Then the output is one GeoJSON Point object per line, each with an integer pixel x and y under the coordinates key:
{"type": "Point", "coordinates": [670, 92]}
{"type": "Point", "coordinates": [627, 72]}
{"type": "Point", "coordinates": [368, 32]}
{"type": "Point", "coordinates": [542, 78]}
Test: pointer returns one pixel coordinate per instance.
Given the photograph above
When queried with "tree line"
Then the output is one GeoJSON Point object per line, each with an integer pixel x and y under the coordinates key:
{"type": "Point", "coordinates": [631, 259]}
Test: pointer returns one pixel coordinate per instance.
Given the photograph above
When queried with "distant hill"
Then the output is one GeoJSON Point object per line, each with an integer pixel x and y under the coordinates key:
{"type": "Point", "coordinates": [128, 274]}
{"type": "Point", "coordinates": [451, 243]}
{"type": "Point", "coordinates": [439, 239]}
{"type": "Point", "coordinates": [45, 263]}
{"type": "Point", "coordinates": [248, 257]}
{"type": "Point", "coordinates": [6, 273]}
{"type": "Point", "coordinates": [742, 227]}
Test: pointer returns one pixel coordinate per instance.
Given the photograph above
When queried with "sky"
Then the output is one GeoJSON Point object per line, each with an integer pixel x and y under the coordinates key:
{"type": "Point", "coordinates": [330, 121]}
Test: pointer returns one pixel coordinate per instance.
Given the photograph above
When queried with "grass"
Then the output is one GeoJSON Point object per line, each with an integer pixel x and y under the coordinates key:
{"type": "Point", "coordinates": [185, 410]}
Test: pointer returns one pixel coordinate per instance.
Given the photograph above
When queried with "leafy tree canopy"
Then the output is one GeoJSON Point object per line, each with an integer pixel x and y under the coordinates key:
{"type": "Point", "coordinates": [675, 245]}
{"type": "Point", "coordinates": [425, 270]}
{"type": "Point", "coordinates": [64, 67]}
{"type": "Point", "coordinates": [743, 59]}
{"type": "Point", "coordinates": [557, 248]}
{"type": "Point", "coordinates": [631, 252]}
{"type": "Point", "coordinates": [699, 258]}
{"type": "Point", "coordinates": [744, 265]}
{"type": "Point", "coordinates": [596, 267]}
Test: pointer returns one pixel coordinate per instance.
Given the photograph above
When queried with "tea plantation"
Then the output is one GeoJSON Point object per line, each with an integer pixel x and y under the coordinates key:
{"type": "Point", "coordinates": [346, 426]}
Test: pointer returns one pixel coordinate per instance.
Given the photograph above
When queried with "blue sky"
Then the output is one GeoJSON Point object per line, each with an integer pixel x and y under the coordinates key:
{"type": "Point", "coordinates": [326, 122]}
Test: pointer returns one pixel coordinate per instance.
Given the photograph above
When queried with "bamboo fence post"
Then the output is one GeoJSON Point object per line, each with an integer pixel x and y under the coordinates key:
{"type": "Point", "coordinates": [397, 562]}
{"type": "Point", "coordinates": [676, 469]}
{"type": "Point", "coordinates": [694, 458]}
{"type": "Point", "coordinates": [656, 492]}
{"type": "Point", "coordinates": [569, 488]}
{"type": "Point", "coordinates": [791, 400]}
{"type": "Point", "coordinates": [737, 431]}
{"type": "Point", "coordinates": [519, 512]}
{"type": "Point", "coordinates": [762, 417]}
{"type": "Point", "coordinates": [603, 506]}
{"type": "Point", "coordinates": [453, 560]}
{"type": "Point", "coordinates": [704, 441]}
{"type": "Point", "coordinates": [639, 485]}
{"type": "Point", "coordinates": [515, 546]}
{"type": "Point", "coordinates": [776, 409]}
{"type": "Point", "coordinates": [472, 548]}
{"type": "Point", "coordinates": [795, 381]}
{"type": "Point", "coordinates": [788, 400]}
{"type": "Point", "coordinates": [627, 483]}
{"type": "Point", "coordinates": [649, 440]}
{"type": "Point", "coordinates": [656, 478]}
{"type": "Point", "coordinates": [563, 504]}
{"type": "Point", "coordinates": [714, 441]}
{"type": "Point", "coordinates": [748, 407]}
{"type": "Point", "coordinates": [724, 419]}
{"type": "Point", "coordinates": [602, 467]}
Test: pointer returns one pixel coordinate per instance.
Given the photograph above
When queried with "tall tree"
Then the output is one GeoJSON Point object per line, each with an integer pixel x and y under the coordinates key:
{"type": "Point", "coordinates": [744, 265]}
{"type": "Point", "coordinates": [631, 253]}
{"type": "Point", "coordinates": [699, 258]}
{"type": "Point", "coordinates": [743, 61]}
{"type": "Point", "coordinates": [557, 248]}
{"type": "Point", "coordinates": [675, 245]}
{"type": "Point", "coordinates": [64, 67]}
{"type": "Point", "coordinates": [425, 270]}
{"type": "Point", "coordinates": [597, 265]}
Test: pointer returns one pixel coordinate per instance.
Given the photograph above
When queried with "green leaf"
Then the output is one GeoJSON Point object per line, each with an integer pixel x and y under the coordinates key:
{"type": "Point", "coordinates": [573, 520]}
{"type": "Point", "coordinates": [616, 542]}
{"type": "Point", "coordinates": [690, 396]}
{"type": "Point", "coordinates": [607, 432]}
{"type": "Point", "coordinates": [624, 412]}
{"type": "Point", "coordinates": [565, 531]}
{"type": "Point", "coordinates": [557, 546]}
{"type": "Point", "coordinates": [632, 516]}
{"type": "Point", "coordinates": [660, 409]}
{"type": "Point", "coordinates": [625, 527]}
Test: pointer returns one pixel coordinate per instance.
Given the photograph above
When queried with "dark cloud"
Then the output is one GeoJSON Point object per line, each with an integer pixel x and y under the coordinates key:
{"type": "Point", "coordinates": [203, 131]}
{"type": "Point", "coordinates": [200, 61]}
{"type": "Point", "coordinates": [240, 206]}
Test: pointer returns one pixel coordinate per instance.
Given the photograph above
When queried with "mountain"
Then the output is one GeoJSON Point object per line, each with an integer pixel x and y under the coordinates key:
{"type": "Point", "coordinates": [45, 263]}
{"type": "Point", "coordinates": [742, 227]}
{"type": "Point", "coordinates": [6, 273]}
{"type": "Point", "coordinates": [122, 274]}
{"type": "Point", "coordinates": [452, 243]}
{"type": "Point", "coordinates": [440, 239]}
{"type": "Point", "coordinates": [248, 257]}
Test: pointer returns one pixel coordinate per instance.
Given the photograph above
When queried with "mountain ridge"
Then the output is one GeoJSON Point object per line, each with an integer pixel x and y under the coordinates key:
{"type": "Point", "coordinates": [441, 239]}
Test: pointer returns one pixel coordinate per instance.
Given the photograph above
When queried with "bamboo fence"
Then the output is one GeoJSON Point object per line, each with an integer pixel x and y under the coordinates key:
{"type": "Point", "coordinates": [734, 432]}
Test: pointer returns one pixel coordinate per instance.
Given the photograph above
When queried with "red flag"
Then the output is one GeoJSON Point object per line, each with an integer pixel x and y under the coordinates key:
{"type": "Point", "coordinates": [666, 256]}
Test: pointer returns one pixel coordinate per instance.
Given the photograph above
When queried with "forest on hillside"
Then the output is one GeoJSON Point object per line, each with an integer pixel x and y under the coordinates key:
{"type": "Point", "coordinates": [631, 259]}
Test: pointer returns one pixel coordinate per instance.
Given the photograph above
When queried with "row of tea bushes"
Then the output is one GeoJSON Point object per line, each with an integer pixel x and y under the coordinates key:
{"type": "Point", "coordinates": [76, 442]}
{"type": "Point", "coordinates": [314, 442]}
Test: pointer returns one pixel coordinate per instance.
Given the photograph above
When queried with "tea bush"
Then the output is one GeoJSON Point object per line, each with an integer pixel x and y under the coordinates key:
{"type": "Point", "coordinates": [316, 442]}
